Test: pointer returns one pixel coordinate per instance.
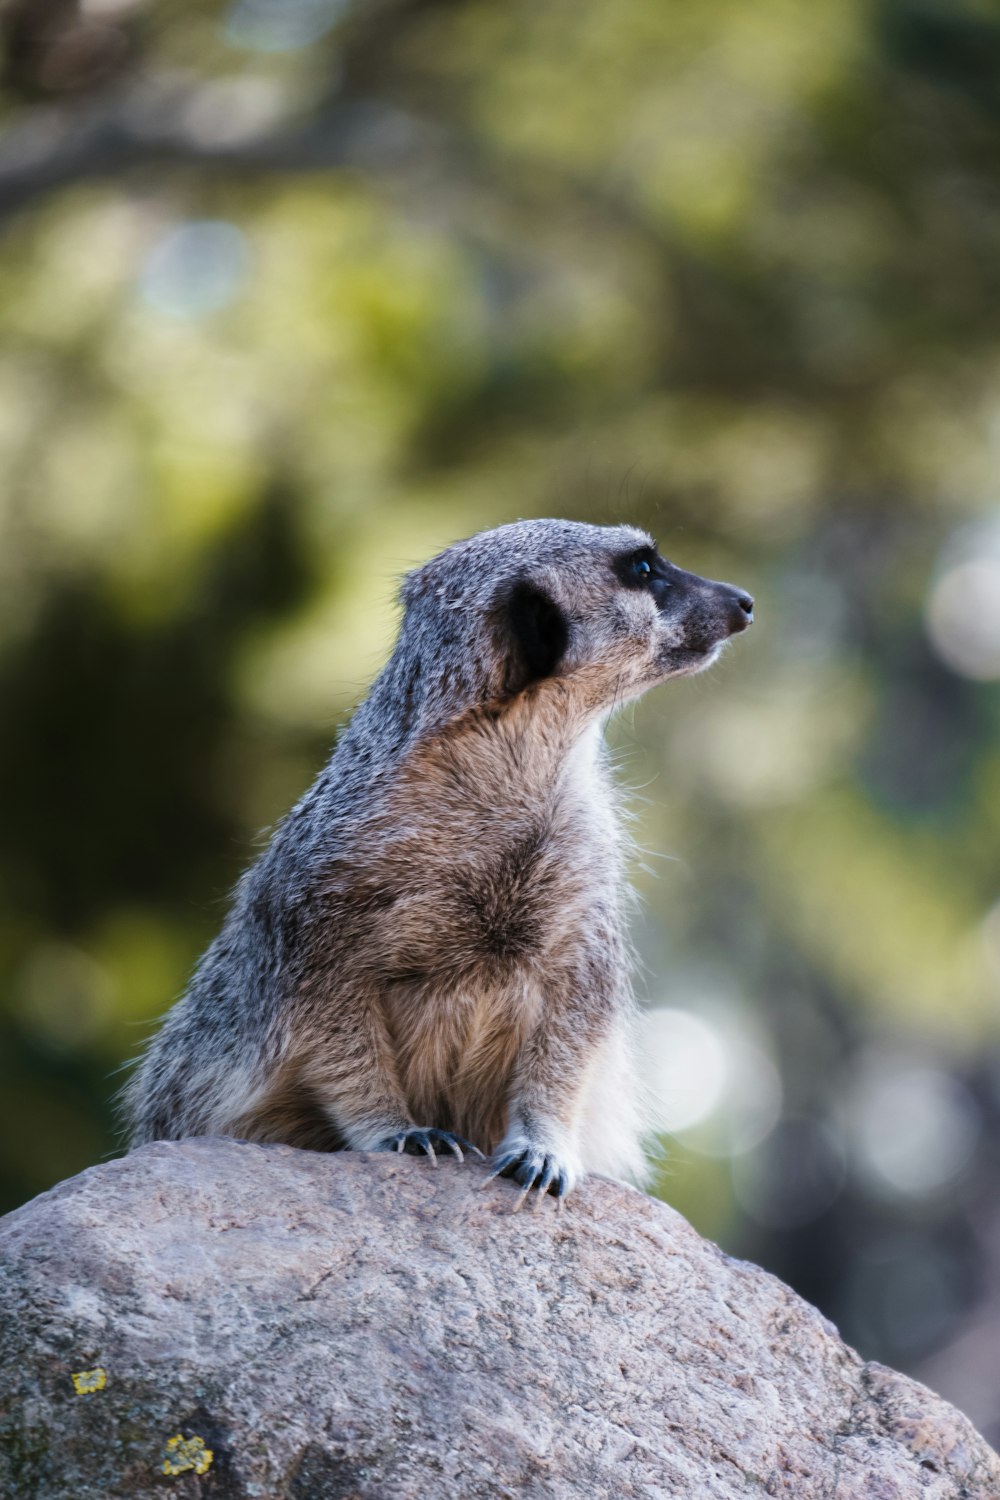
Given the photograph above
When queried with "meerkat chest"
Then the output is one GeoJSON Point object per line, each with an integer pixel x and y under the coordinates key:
{"type": "Point", "coordinates": [494, 880]}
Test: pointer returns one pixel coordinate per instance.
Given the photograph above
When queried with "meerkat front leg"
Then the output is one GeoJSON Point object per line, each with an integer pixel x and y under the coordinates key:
{"type": "Point", "coordinates": [351, 1072]}
{"type": "Point", "coordinates": [540, 1149]}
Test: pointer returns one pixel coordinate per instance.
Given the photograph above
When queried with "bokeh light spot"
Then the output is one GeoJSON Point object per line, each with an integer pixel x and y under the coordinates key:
{"type": "Point", "coordinates": [281, 25]}
{"type": "Point", "coordinates": [196, 269]}
{"type": "Point", "coordinates": [751, 1104]}
{"type": "Point", "coordinates": [684, 1067]}
{"type": "Point", "coordinates": [963, 617]}
{"type": "Point", "coordinates": [913, 1129]}
{"type": "Point", "coordinates": [963, 605]}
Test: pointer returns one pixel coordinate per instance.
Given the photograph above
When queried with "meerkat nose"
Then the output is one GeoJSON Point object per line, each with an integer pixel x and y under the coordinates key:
{"type": "Point", "coordinates": [740, 612]}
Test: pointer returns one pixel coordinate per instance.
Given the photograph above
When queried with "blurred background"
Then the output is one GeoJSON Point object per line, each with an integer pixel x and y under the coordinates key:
{"type": "Point", "coordinates": [294, 292]}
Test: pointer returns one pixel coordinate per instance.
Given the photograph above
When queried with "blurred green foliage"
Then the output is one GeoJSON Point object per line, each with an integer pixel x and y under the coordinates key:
{"type": "Point", "coordinates": [293, 294]}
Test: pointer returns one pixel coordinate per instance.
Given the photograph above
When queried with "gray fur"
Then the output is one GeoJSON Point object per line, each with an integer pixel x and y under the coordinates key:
{"type": "Point", "coordinates": [435, 935]}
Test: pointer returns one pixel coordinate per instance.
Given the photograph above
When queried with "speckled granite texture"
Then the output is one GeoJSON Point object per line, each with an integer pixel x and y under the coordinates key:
{"type": "Point", "coordinates": [258, 1321]}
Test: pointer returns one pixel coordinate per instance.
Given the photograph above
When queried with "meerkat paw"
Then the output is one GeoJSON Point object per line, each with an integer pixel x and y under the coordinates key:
{"type": "Point", "coordinates": [535, 1171]}
{"type": "Point", "coordinates": [416, 1141]}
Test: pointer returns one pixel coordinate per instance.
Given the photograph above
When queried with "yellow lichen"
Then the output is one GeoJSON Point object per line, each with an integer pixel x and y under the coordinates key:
{"type": "Point", "coordinates": [85, 1381]}
{"type": "Point", "coordinates": [183, 1454]}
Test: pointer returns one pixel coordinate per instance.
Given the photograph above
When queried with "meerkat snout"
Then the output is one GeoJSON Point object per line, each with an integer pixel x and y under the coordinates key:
{"type": "Point", "coordinates": [431, 955]}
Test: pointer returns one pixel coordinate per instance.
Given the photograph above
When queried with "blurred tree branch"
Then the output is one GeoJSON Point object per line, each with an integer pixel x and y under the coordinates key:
{"type": "Point", "coordinates": [55, 148]}
{"type": "Point", "coordinates": [89, 104]}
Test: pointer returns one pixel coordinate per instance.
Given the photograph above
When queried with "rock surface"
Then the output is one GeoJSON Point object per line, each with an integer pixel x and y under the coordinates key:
{"type": "Point", "coordinates": [257, 1321]}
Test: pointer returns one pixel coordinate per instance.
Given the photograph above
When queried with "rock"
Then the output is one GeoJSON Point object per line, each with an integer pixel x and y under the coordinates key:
{"type": "Point", "coordinates": [221, 1319]}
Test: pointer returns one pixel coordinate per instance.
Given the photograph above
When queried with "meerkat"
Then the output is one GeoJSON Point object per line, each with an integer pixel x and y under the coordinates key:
{"type": "Point", "coordinates": [431, 954]}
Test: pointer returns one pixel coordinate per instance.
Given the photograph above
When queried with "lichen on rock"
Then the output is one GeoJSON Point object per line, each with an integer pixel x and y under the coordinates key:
{"type": "Point", "coordinates": [182, 1455]}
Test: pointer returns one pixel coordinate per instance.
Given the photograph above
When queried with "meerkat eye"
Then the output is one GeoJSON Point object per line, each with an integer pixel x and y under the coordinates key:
{"type": "Point", "coordinates": [639, 569]}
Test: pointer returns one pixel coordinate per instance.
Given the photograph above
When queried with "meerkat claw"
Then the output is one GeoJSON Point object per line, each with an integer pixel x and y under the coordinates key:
{"type": "Point", "coordinates": [549, 1173]}
{"type": "Point", "coordinates": [536, 1173]}
{"type": "Point", "coordinates": [457, 1144]}
{"type": "Point", "coordinates": [501, 1166]}
{"type": "Point", "coordinates": [415, 1142]}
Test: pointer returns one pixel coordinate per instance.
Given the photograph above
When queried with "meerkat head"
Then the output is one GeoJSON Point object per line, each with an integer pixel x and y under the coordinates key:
{"type": "Point", "coordinates": [591, 605]}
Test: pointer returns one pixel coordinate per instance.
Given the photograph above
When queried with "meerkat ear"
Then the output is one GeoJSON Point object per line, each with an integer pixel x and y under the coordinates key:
{"type": "Point", "coordinates": [539, 635]}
